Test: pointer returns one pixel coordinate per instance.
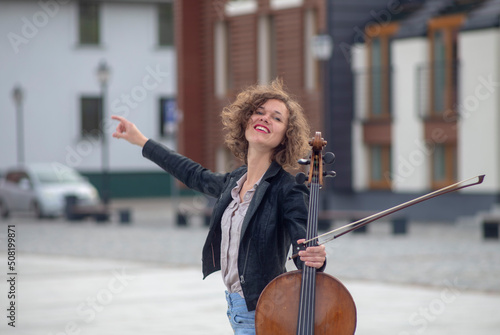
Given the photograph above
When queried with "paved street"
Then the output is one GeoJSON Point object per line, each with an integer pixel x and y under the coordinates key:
{"type": "Point", "coordinates": [145, 278]}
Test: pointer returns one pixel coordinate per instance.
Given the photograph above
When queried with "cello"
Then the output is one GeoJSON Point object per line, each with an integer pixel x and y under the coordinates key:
{"type": "Point", "coordinates": [307, 302]}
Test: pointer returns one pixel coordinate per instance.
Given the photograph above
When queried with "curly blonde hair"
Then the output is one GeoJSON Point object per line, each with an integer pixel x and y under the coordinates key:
{"type": "Point", "coordinates": [235, 118]}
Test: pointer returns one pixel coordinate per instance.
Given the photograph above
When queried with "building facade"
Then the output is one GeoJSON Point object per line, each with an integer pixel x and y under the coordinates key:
{"type": "Point", "coordinates": [425, 107]}
{"type": "Point", "coordinates": [52, 49]}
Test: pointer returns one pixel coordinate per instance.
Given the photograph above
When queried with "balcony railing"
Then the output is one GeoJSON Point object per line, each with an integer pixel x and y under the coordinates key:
{"type": "Point", "coordinates": [437, 89]}
{"type": "Point", "coordinates": [372, 94]}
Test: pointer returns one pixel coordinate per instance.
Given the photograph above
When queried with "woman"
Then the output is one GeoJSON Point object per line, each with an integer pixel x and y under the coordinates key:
{"type": "Point", "coordinates": [260, 209]}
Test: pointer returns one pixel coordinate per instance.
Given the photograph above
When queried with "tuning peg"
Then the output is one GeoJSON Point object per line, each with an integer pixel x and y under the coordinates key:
{"type": "Point", "coordinates": [300, 178]}
{"type": "Point", "coordinates": [304, 161]}
{"type": "Point", "coordinates": [328, 158]}
{"type": "Point", "coordinates": [329, 173]}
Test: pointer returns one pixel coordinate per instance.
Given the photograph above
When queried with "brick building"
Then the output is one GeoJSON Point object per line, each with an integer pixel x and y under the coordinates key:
{"type": "Point", "coordinates": [224, 46]}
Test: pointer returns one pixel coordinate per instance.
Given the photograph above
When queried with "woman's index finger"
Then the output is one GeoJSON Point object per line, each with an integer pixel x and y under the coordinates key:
{"type": "Point", "coordinates": [119, 118]}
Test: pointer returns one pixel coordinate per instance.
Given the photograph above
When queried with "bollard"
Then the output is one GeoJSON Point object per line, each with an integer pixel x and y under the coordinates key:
{"type": "Point", "coordinates": [490, 229]}
{"type": "Point", "coordinates": [360, 230]}
{"type": "Point", "coordinates": [124, 215]}
{"type": "Point", "coordinates": [324, 224]}
{"type": "Point", "coordinates": [181, 219]}
{"type": "Point", "coordinates": [69, 210]}
{"type": "Point", "coordinates": [206, 220]}
{"type": "Point", "coordinates": [101, 217]}
{"type": "Point", "coordinates": [399, 226]}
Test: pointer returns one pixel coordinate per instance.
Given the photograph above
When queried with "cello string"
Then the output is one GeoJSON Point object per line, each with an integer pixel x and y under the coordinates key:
{"type": "Point", "coordinates": [312, 271]}
{"type": "Point", "coordinates": [305, 324]}
{"type": "Point", "coordinates": [312, 293]}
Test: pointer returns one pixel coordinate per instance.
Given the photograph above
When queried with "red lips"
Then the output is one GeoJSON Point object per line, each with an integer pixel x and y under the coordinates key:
{"type": "Point", "coordinates": [258, 126]}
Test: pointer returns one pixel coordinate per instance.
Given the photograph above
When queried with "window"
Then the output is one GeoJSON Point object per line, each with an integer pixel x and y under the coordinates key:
{"type": "Point", "coordinates": [16, 176]}
{"type": "Point", "coordinates": [168, 117]}
{"type": "Point", "coordinates": [377, 79]}
{"type": "Point", "coordinates": [438, 72]}
{"type": "Point", "coordinates": [273, 69]}
{"type": "Point", "coordinates": [165, 24]}
{"type": "Point", "coordinates": [379, 70]}
{"type": "Point", "coordinates": [443, 165]}
{"type": "Point", "coordinates": [88, 16]}
{"type": "Point", "coordinates": [380, 166]}
{"type": "Point", "coordinates": [267, 49]}
{"type": "Point", "coordinates": [442, 100]}
{"type": "Point", "coordinates": [285, 4]}
{"type": "Point", "coordinates": [240, 7]}
{"type": "Point", "coordinates": [222, 61]}
{"type": "Point", "coordinates": [378, 124]}
{"type": "Point", "coordinates": [443, 67]}
{"type": "Point", "coordinates": [311, 66]}
{"type": "Point", "coordinates": [90, 108]}
{"type": "Point", "coordinates": [225, 160]}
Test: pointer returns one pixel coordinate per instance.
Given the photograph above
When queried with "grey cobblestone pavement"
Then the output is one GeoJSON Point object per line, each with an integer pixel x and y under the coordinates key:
{"type": "Point", "coordinates": [145, 277]}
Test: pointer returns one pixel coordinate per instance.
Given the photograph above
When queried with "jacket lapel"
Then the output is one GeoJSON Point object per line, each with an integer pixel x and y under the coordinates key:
{"type": "Point", "coordinates": [273, 169]}
{"type": "Point", "coordinates": [225, 198]}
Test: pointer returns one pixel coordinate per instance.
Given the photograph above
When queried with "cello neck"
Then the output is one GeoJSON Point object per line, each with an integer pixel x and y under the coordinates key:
{"type": "Point", "coordinates": [305, 324]}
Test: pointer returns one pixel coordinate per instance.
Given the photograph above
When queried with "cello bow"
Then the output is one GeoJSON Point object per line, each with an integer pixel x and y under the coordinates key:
{"type": "Point", "coordinates": [329, 236]}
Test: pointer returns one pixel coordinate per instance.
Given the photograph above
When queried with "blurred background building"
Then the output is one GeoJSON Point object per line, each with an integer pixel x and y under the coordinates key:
{"type": "Point", "coordinates": [422, 111]}
{"type": "Point", "coordinates": [225, 46]}
{"type": "Point", "coordinates": [407, 98]}
{"type": "Point", "coordinates": [52, 49]}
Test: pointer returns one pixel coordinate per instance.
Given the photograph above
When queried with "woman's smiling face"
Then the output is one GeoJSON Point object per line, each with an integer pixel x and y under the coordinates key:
{"type": "Point", "coordinates": [267, 125]}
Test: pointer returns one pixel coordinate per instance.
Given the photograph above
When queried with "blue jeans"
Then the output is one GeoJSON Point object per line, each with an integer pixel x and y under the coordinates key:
{"type": "Point", "coordinates": [242, 321]}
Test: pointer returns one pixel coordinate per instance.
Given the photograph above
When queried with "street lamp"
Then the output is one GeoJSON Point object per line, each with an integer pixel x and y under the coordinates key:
{"type": "Point", "coordinates": [322, 48]}
{"type": "Point", "coordinates": [18, 96]}
{"type": "Point", "coordinates": [103, 74]}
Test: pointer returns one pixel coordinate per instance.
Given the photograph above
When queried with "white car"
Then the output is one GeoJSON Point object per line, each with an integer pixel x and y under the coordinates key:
{"type": "Point", "coordinates": [42, 189]}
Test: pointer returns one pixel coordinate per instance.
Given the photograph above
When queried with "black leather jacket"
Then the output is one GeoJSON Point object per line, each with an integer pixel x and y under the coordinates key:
{"type": "Point", "coordinates": [275, 219]}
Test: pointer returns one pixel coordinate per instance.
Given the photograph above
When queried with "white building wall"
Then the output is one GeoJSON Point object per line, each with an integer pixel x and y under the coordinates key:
{"type": "Point", "coordinates": [479, 106]}
{"type": "Point", "coordinates": [410, 157]}
{"type": "Point", "coordinates": [360, 154]}
{"type": "Point", "coordinates": [55, 71]}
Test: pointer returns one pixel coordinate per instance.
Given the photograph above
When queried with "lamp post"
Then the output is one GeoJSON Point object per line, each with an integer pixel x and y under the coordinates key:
{"type": "Point", "coordinates": [322, 48]}
{"type": "Point", "coordinates": [18, 96]}
{"type": "Point", "coordinates": [103, 74]}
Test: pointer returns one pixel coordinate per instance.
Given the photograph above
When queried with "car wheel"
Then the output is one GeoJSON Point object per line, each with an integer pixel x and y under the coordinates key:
{"type": "Point", "coordinates": [37, 210]}
{"type": "Point", "coordinates": [4, 211]}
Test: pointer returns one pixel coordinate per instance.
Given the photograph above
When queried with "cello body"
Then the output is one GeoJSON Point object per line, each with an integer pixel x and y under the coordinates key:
{"type": "Point", "coordinates": [278, 306]}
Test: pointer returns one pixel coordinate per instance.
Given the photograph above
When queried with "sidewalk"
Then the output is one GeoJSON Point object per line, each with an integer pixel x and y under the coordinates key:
{"type": "Point", "coordinates": [144, 277]}
{"type": "Point", "coordinates": [67, 295]}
